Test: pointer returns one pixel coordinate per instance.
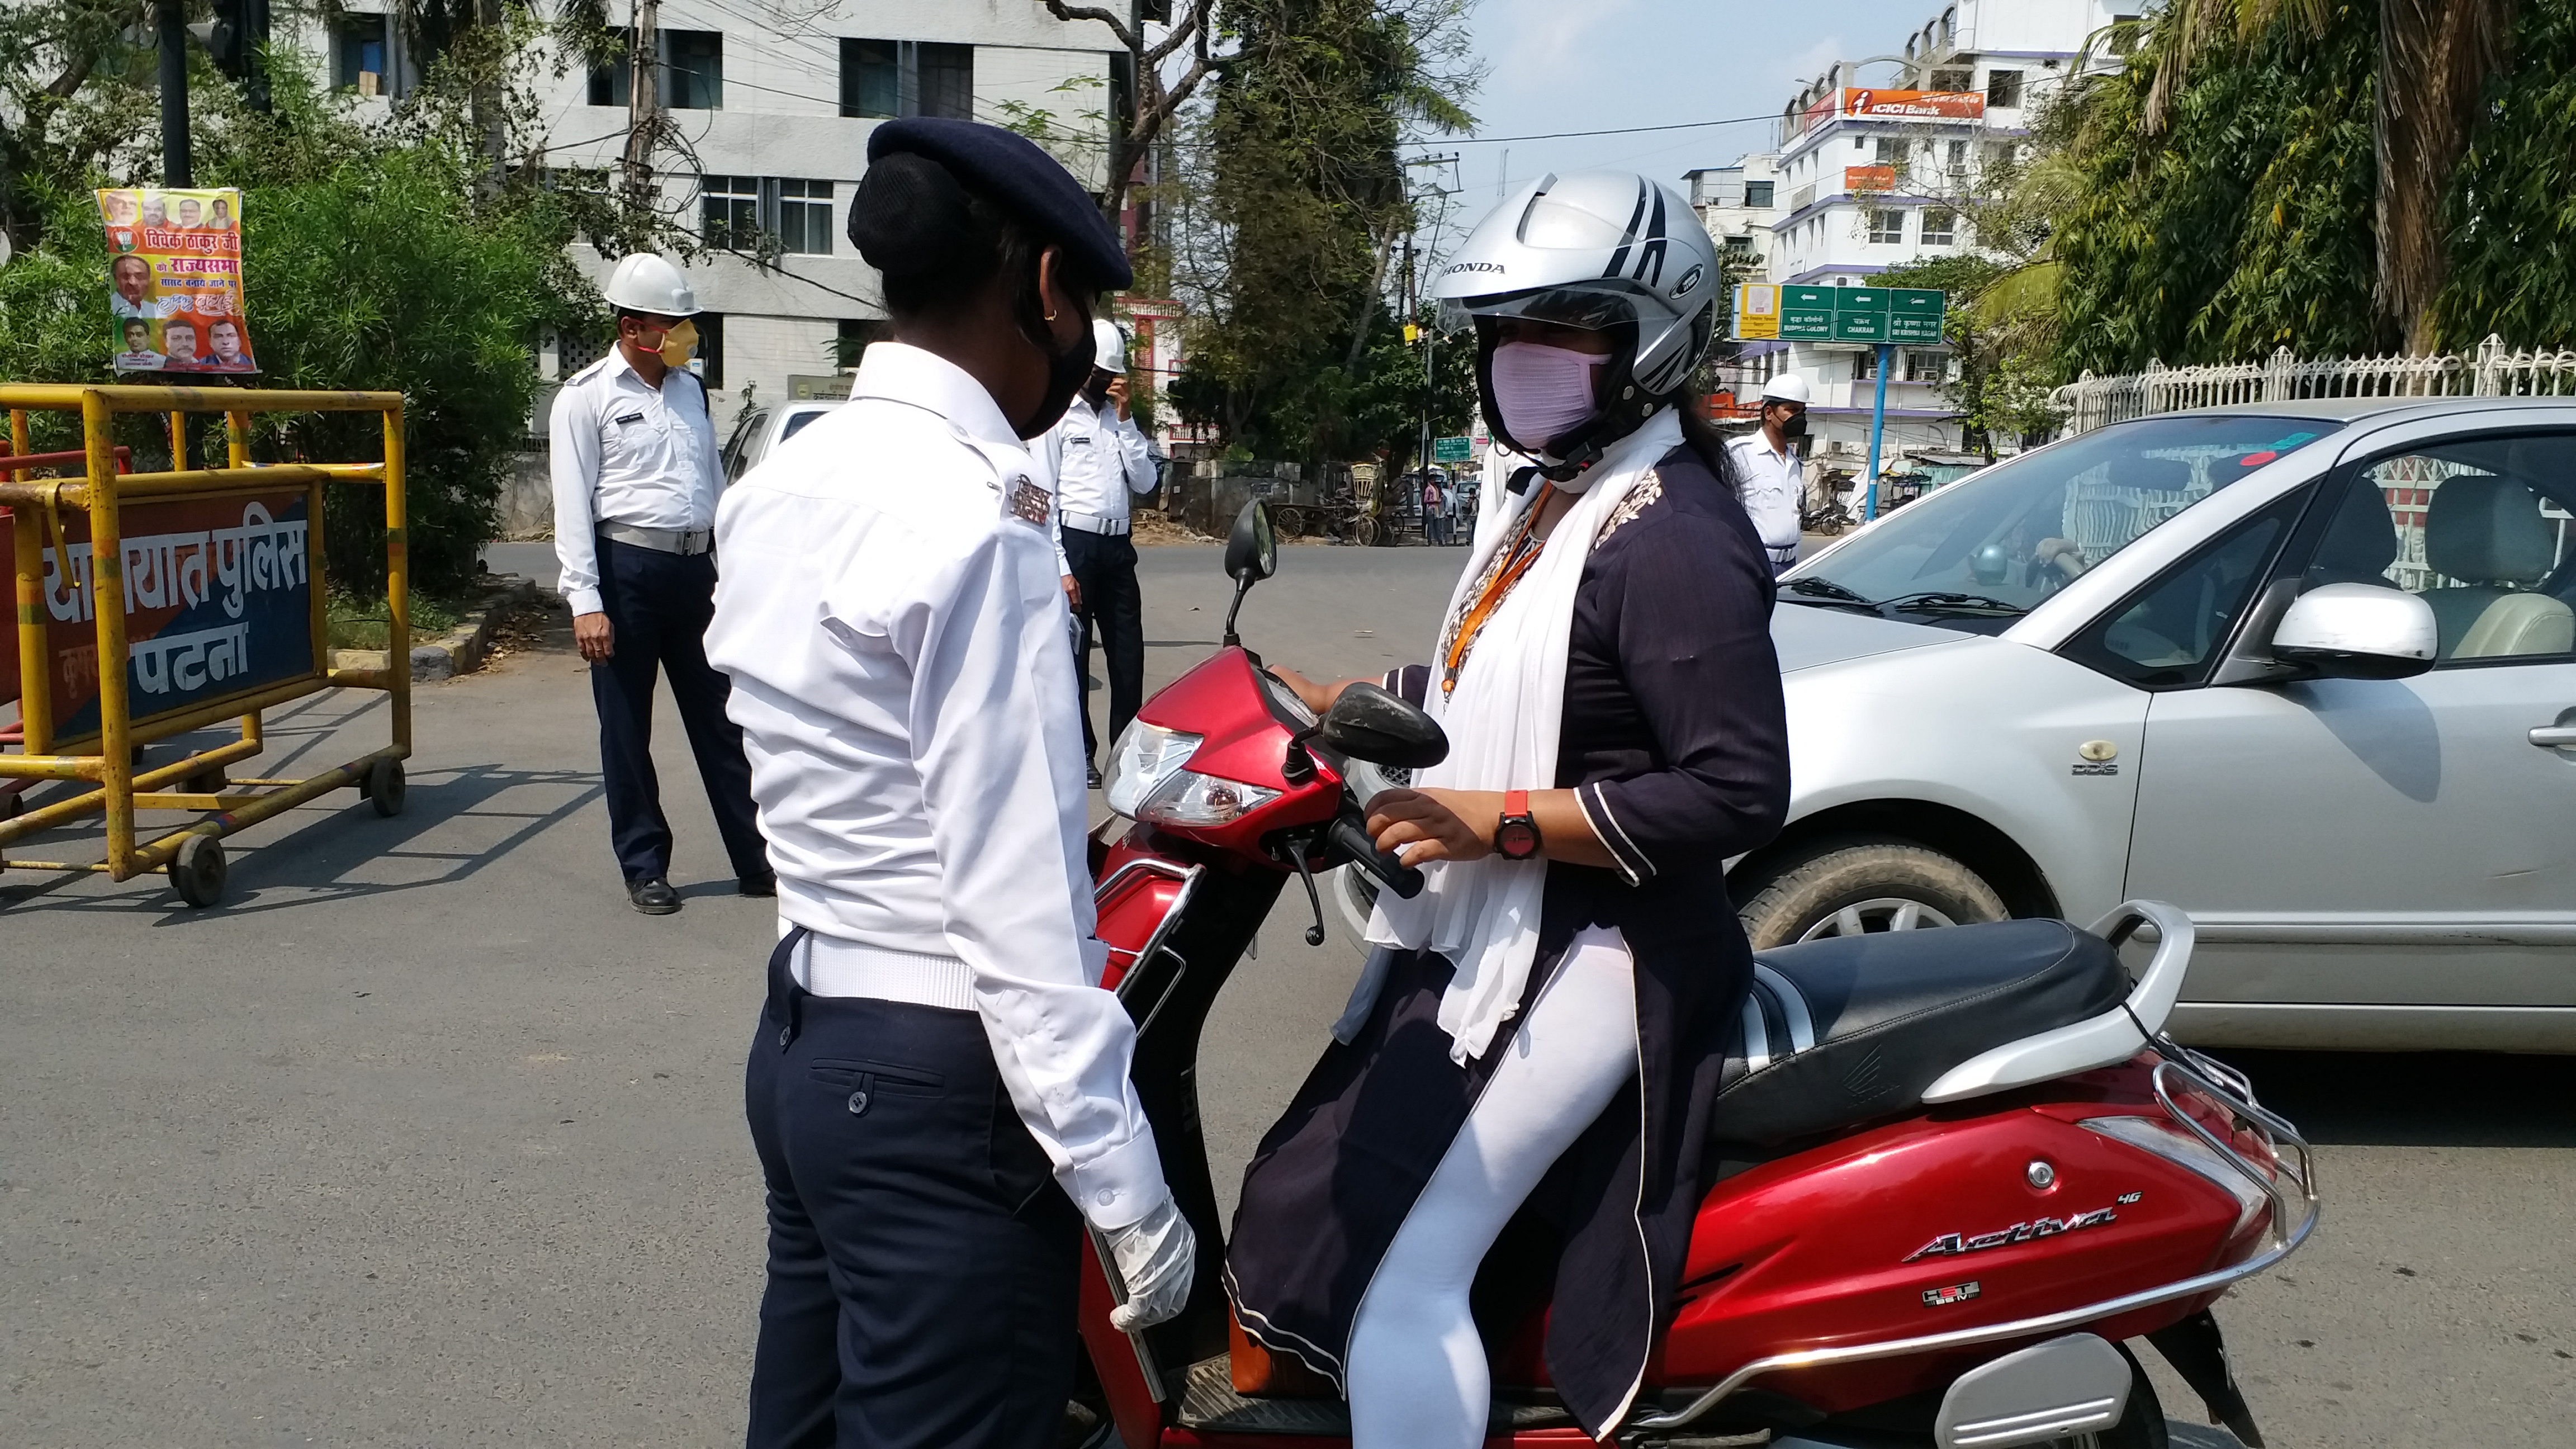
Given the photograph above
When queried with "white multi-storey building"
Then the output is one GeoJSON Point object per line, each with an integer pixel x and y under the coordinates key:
{"type": "Point", "coordinates": [1875, 174]}
{"type": "Point", "coordinates": [776, 113]}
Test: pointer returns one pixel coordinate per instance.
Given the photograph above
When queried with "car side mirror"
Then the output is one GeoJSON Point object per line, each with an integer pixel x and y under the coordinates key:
{"type": "Point", "coordinates": [2358, 631]}
{"type": "Point", "coordinates": [1367, 723]}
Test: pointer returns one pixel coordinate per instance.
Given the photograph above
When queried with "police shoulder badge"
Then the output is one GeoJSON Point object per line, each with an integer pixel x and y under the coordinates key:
{"type": "Point", "coordinates": [1030, 503]}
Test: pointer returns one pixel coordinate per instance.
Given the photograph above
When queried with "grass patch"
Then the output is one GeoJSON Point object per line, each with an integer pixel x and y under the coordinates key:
{"type": "Point", "coordinates": [360, 623]}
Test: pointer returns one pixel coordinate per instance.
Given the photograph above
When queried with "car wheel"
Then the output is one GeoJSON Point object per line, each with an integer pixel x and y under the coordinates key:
{"type": "Point", "coordinates": [1853, 887]}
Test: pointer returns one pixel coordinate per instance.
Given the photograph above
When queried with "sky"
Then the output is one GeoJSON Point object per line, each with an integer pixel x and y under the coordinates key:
{"type": "Point", "coordinates": [1583, 65]}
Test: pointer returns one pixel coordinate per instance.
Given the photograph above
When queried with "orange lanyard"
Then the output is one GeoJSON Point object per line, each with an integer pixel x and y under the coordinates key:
{"type": "Point", "coordinates": [1519, 553]}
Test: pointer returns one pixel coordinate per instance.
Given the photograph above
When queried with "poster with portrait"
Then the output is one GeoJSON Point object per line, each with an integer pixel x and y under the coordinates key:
{"type": "Point", "coordinates": [174, 280]}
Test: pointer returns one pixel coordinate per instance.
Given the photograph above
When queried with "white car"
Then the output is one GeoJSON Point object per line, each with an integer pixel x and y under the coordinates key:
{"type": "Point", "coordinates": [2307, 670]}
{"type": "Point", "coordinates": [758, 432]}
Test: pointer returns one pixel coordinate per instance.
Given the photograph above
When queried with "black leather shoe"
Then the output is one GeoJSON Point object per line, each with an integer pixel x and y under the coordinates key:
{"type": "Point", "coordinates": [1094, 771]}
{"type": "Point", "coordinates": [653, 896]}
{"type": "Point", "coordinates": [763, 885]}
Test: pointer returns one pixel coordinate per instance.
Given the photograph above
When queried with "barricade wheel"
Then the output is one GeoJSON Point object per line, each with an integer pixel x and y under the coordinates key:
{"type": "Point", "coordinates": [199, 870]}
{"type": "Point", "coordinates": [385, 787]}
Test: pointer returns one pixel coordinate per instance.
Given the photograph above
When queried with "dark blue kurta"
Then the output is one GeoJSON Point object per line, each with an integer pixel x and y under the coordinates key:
{"type": "Point", "coordinates": [1675, 734]}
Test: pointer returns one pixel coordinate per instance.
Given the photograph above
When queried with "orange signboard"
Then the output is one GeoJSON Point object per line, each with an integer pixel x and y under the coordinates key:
{"type": "Point", "coordinates": [1861, 180]}
{"type": "Point", "coordinates": [1862, 102]}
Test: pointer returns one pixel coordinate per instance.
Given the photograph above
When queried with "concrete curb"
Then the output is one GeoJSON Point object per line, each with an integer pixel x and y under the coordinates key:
{"type": "Point", "coordinates": [461, 651]}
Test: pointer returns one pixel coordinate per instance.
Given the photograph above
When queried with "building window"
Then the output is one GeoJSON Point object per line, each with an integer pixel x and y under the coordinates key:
{"type": "Point", "coordinates": [1953, 80]}
{"type": "Point", "coordinates": [1958, 158]}
{"type": "Point", "coordinates": [691, 76]}
{"type": "Point", "coordinates": [1940, 226]}
{"type": "Point", "coordinates": [1887, 224]}
{"type": "Point", "coordinates": [2124, 34]}
{"type": "Point", "coordinates": [883, 78]}
{"type": "Point", "coordinates": [854, 335]}
{"type": "Point", "coordinates": [1999, 154]}
{"type": "Point", "coordinates": [805, 217]}
{"type": "Point", "coordinates": [1757, 195]}
{"type": "Point", "coordinates": [358, 55]}
{"type": "Point", "coordinates": [947, 80]}
{"type": "Point", "coordinates": [2003, 88]}
{"type": "Point", "coordinates": [729, 212]}
{"type": "Point", "coordinates": [1923, 364]}
{"type": "Point", "coordinates": [871, 78]}
{"type": "Point", "coordinates": [1890, 152]}
{"type": "Point", "coordinates": [1741, 246]}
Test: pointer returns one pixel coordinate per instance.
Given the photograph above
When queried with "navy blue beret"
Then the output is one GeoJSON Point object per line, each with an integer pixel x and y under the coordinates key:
{"type": "Point", "coordinates": [1010, 169]}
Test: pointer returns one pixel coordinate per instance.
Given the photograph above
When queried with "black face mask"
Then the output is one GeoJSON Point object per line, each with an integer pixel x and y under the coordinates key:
{"type": "Point", "coordinates": [1067, 370]}
{"type": "Point", "coordinates": [1794, 428]}
{"type": "Point", "coordinates": [1095, 389]}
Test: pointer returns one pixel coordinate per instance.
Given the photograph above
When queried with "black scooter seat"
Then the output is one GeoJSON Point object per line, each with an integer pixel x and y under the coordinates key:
{"type": "Point", "coordinates": [1846, 1029]}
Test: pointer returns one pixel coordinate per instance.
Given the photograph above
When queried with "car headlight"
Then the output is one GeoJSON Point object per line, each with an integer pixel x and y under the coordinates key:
{"type": "Point", "coordinates": [1149, 779]}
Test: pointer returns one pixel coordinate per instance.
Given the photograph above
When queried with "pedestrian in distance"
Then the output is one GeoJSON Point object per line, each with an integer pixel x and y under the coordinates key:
{"type": "Point", "coordinates": [935, 1045]}
{"type": "Point", "coordinates": [1435, 530]}
{"type": "Point", "coordinates": [1767, 468]}
{"type": "Point", "coordinates": [1099, 458]}
{"type": "Point", "coordinates": [635, 483]}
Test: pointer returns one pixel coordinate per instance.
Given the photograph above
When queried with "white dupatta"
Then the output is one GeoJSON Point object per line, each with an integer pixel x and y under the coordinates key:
{"type": "Point", "coordinates": [1503, 720]}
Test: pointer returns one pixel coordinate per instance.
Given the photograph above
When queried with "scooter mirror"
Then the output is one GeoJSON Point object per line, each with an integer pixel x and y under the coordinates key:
{"type": "Point", "coordinates": [1367, 723]}
{"type": "Point", "coordinates": [1252, 552]}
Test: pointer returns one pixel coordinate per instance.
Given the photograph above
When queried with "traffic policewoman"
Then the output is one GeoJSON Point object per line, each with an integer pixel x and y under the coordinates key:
{"type": "Point", "coordinates": [935, 1045]}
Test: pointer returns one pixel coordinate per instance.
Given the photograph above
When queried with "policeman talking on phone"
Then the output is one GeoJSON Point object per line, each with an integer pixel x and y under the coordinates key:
{"type": "Point", "coordinates": [938, 1085]}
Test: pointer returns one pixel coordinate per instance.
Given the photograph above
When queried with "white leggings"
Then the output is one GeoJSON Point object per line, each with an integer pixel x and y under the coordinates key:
{"type": "Point", "coordinates": [1416, 1372]}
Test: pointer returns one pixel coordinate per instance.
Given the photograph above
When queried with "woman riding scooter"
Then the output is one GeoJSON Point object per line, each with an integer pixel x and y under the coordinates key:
{"type": "Point", "coordinates": [1553, 1004]}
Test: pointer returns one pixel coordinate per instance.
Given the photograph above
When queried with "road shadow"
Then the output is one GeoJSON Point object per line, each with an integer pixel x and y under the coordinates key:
{"type": "Point", "coordinates": [2417, 1099]}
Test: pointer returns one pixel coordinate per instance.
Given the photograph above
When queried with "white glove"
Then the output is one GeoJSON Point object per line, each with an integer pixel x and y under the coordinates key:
{"type": "Point", "coordinates": [1157, 1256]}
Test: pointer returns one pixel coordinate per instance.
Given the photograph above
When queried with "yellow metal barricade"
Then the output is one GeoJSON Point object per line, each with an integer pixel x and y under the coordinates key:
{"type": "Point", "coordinates": [156, 604]}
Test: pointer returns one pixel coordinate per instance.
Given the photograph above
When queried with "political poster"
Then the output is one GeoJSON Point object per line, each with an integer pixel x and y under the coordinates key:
{"type": "Point", "coordinates": [174, 280]}
{"type": "Point", "coordinates": [217, 594]}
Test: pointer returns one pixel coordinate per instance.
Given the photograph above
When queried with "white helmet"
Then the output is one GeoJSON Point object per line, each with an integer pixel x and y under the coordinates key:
{"type": "Point", "coordinates": [1787, 387]}
{"type": "Point", "coordinates": [1109, 346]}
{"type": "Point", "coordinates": [1598, 250]}
{"type": "Point", "coordinates": [644, 282]}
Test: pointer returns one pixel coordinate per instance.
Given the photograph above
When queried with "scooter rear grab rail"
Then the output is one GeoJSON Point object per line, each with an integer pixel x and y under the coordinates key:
{"type": "Point", "coordinates": [2178, 1061]}
{"type": "Point", "coordinates": [2100, 1041]}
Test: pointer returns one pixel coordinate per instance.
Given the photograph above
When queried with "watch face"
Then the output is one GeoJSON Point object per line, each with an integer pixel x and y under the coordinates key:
{"type": "Point", "coordinates": [1515, 840]}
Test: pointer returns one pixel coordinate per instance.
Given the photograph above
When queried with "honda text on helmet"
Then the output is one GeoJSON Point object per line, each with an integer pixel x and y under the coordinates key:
{"type": "Point", "coordinates": [1606, 251]}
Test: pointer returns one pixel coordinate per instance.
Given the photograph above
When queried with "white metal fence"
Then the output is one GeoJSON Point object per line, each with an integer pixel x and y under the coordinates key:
{"type": "Point", "coordinates": [2496, 371]}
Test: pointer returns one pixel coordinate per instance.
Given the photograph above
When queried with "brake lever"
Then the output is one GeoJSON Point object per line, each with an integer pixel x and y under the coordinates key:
{"type": "Point", "coordinates": [1306, 873]}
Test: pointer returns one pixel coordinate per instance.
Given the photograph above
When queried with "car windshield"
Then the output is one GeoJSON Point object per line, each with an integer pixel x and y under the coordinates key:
{"type": "Point", "coordinates": [1988, 549]}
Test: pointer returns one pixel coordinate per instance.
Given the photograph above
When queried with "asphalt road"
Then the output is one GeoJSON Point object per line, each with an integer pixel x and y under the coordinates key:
{"type": "Point", "coordinates": [425, 1138]}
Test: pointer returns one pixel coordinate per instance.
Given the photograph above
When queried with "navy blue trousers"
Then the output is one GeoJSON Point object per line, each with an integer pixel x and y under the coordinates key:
{"type": "Point", "coordinates": [659, 605]}
{"type": "Point", "coordinates": [1104, 568]}
{"type": "Point", "coordinates": [922, 1261]}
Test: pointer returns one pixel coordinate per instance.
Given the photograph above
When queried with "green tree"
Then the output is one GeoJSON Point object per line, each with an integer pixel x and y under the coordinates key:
{"type": "Point", "coordinates": [2511, 213]}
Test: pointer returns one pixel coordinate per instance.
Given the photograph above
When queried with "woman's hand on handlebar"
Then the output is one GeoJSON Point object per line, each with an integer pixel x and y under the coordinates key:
{"type": "Point", "coordinates": [1421, 826]}
{"type": "Point", "coordinates": [1317, 697]}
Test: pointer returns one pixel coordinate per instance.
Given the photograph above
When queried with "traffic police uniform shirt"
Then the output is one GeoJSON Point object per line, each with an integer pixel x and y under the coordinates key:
{"type": "Point", "coordinates": [1768, 485]}
{"type": "Point", "coordinates": [891, 614]}
{"type": "Point", "coordinates": [1098, 458]}
{"type": "Point", "coordinates": [627, 452]}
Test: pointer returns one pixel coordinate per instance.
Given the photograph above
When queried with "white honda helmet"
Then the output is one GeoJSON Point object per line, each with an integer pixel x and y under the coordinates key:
{"type": "Point", "coordinates": [1108, 346]}
{"type": "Point", "coordinates": [1604, 250]}
{"type": "Point", "coordinates": [644, 282]}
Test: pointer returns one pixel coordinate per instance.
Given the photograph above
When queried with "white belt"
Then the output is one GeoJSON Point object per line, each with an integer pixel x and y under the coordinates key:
{"type": "Point", "coordinates": [831, 966]}
{"type": "Point", "coordinates": [1093, 522]}
{"type": "Point", "coordinates": [661, 540]}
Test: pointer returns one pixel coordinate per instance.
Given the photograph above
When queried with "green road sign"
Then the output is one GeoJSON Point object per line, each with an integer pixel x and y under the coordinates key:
{"type": "Point", "coordinates": [1861, 314]}
{"type": "Point", "coordinates": [1452, 450]}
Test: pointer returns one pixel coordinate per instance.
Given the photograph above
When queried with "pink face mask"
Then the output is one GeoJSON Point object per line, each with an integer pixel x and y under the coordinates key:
{"type": "Point", "coordinates": [1542, 391]}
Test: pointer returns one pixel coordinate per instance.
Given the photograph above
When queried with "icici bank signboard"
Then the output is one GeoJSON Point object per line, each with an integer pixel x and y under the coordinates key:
{"type": "Point", "coordinates": [1863, 103]}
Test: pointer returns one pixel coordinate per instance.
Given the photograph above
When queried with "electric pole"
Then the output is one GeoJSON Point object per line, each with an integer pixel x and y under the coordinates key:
{"type": "Point", "coordinates": [643, 115]}
{"type": "Point", "coordinates": [170, 34]}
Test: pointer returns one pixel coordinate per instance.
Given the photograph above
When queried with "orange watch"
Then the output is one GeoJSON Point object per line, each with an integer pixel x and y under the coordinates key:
{"type": "Point", "coordinates": [1516, 837]}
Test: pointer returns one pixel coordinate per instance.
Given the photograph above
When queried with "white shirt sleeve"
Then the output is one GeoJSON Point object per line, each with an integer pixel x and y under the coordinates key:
{"type": "Point", "coordinates": [1050, 454]}
{"type": "Point", "coordinates": [1000, 762]}
{"type": "Point", "coordinates": [1134, 454]}
{"type": "Point", "coordinates": [573, 462]}
{"type": "Point", "coordinates": [711, 453]}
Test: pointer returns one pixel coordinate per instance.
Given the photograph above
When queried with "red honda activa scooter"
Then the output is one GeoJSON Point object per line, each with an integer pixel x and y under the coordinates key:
{"type": "Point", "coordinates": [1958, 1170]}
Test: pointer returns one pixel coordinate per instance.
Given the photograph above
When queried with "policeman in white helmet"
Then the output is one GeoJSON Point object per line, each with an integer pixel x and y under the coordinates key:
{"type": "Point", "coordinates": [1766, 461]}
{"type": "Point", "coordinates": [635, 483]}
{"type": "Point", "coordinates": [1099, 457]}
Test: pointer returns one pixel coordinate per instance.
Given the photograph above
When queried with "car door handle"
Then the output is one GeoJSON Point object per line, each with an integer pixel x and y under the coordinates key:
{"type": "Point", "coordinates": [2555, 737]}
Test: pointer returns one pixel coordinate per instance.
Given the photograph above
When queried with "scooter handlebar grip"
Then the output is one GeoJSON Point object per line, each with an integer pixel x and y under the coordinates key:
{"type": "Point", "coordinates": [1392, 873]}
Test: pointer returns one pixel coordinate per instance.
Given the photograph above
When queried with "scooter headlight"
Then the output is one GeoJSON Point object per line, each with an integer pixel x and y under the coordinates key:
{"type": "Point", "coordinates": [1149, 779]}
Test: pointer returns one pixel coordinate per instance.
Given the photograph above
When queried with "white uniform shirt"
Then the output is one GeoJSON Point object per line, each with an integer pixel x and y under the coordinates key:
{"type": "Point", "coordinates": [1767, 482]}
{"type": "Point", "coordinates": [627, 452]}
{"type": "Point", "coordinates": [1098, 459]}
{"type": "Point", "coordinates": [890, 615]}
